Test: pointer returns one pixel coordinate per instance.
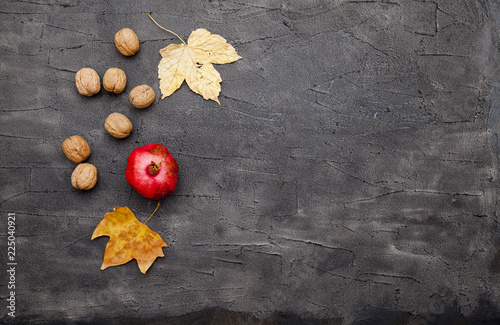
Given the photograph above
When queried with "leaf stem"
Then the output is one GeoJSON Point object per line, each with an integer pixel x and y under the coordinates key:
{"type": "Point", "coordinates": [157, 206]}
{"type": "Point", "coordinates": [168, 30]}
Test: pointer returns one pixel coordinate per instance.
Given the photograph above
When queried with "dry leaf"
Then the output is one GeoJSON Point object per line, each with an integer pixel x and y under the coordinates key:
{"type": "Point", "coordinates": [128, 239]}
{"type": "Point", "coordinates": [193, 62]}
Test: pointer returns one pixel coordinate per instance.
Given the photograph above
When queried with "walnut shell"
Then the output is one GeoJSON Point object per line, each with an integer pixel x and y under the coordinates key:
{"type": "Point", "coordinates": [84, 176]}
{"type": "Point", "coordinates": [118, 125]}
{"type": "Point", "coordinates": [142, 96]}
{"type": "Point", "coordinates": [127, 42]}
{"type": "Point", "coordinates": [88, 82]}
{"type": "Point", "coordinates": [114, 80]}
{"type": "Point", "coordinates": [76, 148]}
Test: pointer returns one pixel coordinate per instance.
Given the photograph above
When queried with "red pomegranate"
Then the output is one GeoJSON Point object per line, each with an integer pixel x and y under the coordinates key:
{"type": "Point", "coordinates": [152, 171]}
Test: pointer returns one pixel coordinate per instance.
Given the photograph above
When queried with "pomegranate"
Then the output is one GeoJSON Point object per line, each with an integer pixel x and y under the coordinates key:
{"type": "Point", "coordinates": [152, 171]}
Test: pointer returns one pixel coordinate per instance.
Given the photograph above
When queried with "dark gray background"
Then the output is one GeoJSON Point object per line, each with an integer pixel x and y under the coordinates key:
{"type": "Point", "coordinates": [348, 177]}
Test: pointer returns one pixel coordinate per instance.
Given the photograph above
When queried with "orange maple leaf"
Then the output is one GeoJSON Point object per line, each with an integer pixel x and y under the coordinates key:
{"type": "Point", "coordinates": [128, 239]}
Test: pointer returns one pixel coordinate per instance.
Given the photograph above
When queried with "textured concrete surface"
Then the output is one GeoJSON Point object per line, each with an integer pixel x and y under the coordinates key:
{"type": "Point", "coordinates": [350, 175]}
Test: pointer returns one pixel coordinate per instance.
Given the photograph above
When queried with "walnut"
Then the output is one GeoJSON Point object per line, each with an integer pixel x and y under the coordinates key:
{"type": "Point", "coordinates": [88, 82]}
{"type": "Point", "coordinates": [127, 42]}
{"type": "Point", "coordinates": [84, 176]}
{"type": "Point", "coordinates": [114, 80]}
{"type": "Point", "coordinates": [76, 148]}
{"type": "Point", "coordinates": [142, 96]}
{"type": "Point", "coordinates": [118, 125]}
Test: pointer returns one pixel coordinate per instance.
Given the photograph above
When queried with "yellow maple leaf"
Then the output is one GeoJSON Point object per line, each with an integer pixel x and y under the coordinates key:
{"type": "Point", "coordinates": [128, 239]}
{"type": "Point", "coordinates": [193, 62]}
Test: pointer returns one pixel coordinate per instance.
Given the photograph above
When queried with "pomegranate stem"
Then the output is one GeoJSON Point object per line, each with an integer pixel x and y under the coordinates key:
{"type": "Point", "coordinates": [153, 168]}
